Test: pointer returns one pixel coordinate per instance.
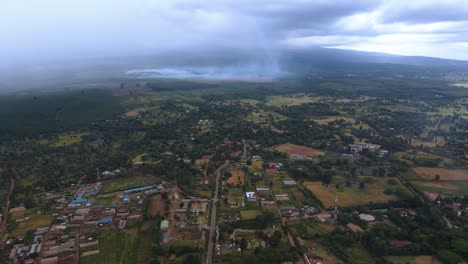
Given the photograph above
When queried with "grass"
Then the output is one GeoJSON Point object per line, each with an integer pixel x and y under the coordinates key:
{"type": "Point", "coordinates": [290, 100]}
{"type": "Point", "coordinates": [327, 256]}
{"type": "Point", "coordinates": [359, 255]}
{"type": "Point", "coordinates": [324, 120]}
{"type": "Point", "coordinates": [115, 247]}
{"type": "Point", "coordinates": [298, 150]}
{"type": "Point", "coordinates": [446, 187]}
{"type": "Point", "coordinates": [413, 260]}
{"type": "Point", "coordinates": [145, 242]}
{"type": "Point", "coordinates": [35, 222]}
{"type": "Point", "coordinates": [139, 158]}
{"type": "Point", "coordinates": [353, 196]}
{"type": "Point", "coordinates": [249, 214]}
{"type": "Point", "coordinates": [127, 183]}
{"type": "Point", "coordinates": [445, 174]}
{"type": "Point", "coordinates": [65, 140]}
{"type": "Point", "coordinates": [261, 116]}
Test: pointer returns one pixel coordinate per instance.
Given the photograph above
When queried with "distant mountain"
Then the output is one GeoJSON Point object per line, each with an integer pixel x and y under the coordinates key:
{"type": "Point", "coordinates": [328, 59]}
{"type": "Point", "coordinates": [228, 62]}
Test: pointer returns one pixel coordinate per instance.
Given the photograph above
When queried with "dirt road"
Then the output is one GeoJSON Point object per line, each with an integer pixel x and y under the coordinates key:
{"type": "Point", "coordinates": [7, 204]}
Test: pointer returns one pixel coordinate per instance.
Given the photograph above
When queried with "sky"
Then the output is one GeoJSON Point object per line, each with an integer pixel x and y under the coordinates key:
{"type": "Point", "coordinates": [57, 29]}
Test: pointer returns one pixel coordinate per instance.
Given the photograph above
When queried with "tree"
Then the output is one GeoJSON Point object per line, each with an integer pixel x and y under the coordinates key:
{"type": "Point", "coordinates": [243, 243]}
{"type": "Point", "coordinates": [362, 185]}
{"type": "Point", "coordinates": [437, 177]}
{"type": "Point", "coordinates": [275, 239]}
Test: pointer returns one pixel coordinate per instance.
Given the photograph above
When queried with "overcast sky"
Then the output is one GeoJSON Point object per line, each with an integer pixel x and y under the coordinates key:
{"type": "Point", "coordinates": [32, 29]}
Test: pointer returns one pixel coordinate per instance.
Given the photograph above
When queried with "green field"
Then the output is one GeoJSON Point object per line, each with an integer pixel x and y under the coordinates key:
{"type": "Point", "coordinates": [127, 183]}
{"type": "Point", "coordinates": [35, 222]}
{"type": "Point", "coordinates": [115, 247]}
{"type": "Point", "coordinates": [249, 214]}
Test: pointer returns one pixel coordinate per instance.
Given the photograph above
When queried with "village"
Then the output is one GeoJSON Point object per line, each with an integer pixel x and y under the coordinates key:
{"type": "Point", "coordinates": [253, 191]}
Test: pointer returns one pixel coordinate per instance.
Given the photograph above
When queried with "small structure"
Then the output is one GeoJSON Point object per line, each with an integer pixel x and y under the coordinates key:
{"type": "Point", "coordinates": [355, 228]}
{"type": "Point", "coordinates": [165, 237]}
{"type": "Point", "coordinates": [400, 243]}
{"type": "Point", "coordinates": [367, 217]}
{"type": "Point", "coordinates": [164, 225]}
{"type": "Point", "coordinates": [172, 257]}
{"type": "Point", "coordinates": [126, 198]}
{"type": "Point", "coordinates": [289, 183]}
{"type": "Point", "coordinates": [322, 217]}
{"type": "Point", "coordinates": [282, 197]}
{"type": "Point", "coordinates": [251, 197]}
{"type": "Point", "coordinates": [272, 171]}
{"type": "Point", "coordinates": [105, 221]}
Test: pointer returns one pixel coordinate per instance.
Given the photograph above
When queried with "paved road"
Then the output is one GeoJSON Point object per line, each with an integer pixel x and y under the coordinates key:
{"type": "Point", "coordinates": [7, 204]}
{"type": "Point", "coordinates": [209, 255]}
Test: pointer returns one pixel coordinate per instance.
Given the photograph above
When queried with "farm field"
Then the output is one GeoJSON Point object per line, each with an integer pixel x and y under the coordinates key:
{"type": "Point", "coordinates": [323, 120]}
{"type": "Point", "coordinates": [127, 183]}
{"type": "Point", "coordinates": [445, 174]}
{"type": "Point", "coordinates": [115, 246]}
{"type": "Point", "coordinates": [262, 116]}
{"type": "Point", "coordinates": [428, 144]}
{"type": "Point", "coordinates": [442, 187]}
{"type": "Point", "coordinates": [322, 252]}
{"type": "Point", "coordinates": [413, 260]}
{"type": "Point", "coordinates": [35, 222]}
{"type": "Point", "coordinates": [291, 100]}
{"type": "Point", "coordinates": [352, 196]}
{"type": "Point", "coordinates": [237, 177]}
{"type": "Point", "coordinates": [249, 214]}
{"type": "Point", "coordinates": [298, 150]}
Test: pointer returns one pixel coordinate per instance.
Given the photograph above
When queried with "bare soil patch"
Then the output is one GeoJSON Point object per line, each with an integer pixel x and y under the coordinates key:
{"type": "Point", "coordinates": [445, 174]}
{"type": "Point", "coordinates": [298, 150]}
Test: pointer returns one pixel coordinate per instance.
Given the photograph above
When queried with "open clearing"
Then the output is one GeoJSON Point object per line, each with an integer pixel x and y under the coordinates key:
{"type": "Point", "coordinates": [298, 150]}
{"type": "Point", "coordinates": [295, 99]}
{"type": "Point", "coordinates": [352, 196]}
{"type": "Point", "coordinates": [249, 214]}
{"type": "Point", "coordinates": [443, 187]}
{"type": "Point", "coordinates": [323, 120]}
{"type": "Point", "coordinates": [127, 183]}
{"type": "Point", "coordinates": [445, 174]}
{"type": "Point", "coordinates": [35, 222]}
{"type": "Point", "coordinates": [413, 260]}
{"type": "Point", "coordinates": [115, 246]}
{"type": "Point", "coordinates": [64, 140]}
{"type": "Point", "coordinates": [237, 178]}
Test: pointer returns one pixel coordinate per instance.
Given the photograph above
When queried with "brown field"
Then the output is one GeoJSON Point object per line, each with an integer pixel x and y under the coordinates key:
{"type": "Point", "coordinates": [298, 195]}
{"type": "Point", "coordinates": [445, 174]}
{"type": "Point", "coordinates": [203, 160]}
{"type": "Point", "coordinates": [352, 196]}
{"type": "Point", "coordinates": [428, 144]}
{"type": "Point", "coordinates": [257, 165]}
{"type": "Point", "coordinates": [237, 178]}
{"type": "Point", "coordinates": [35, 222]}
{"type": "Point", "coordinates": [157, 206]}
{"type": "Point", "coordinates": [298, 150]}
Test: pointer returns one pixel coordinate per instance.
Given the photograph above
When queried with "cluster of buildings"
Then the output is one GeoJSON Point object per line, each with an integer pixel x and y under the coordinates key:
{"type": "Point", "coordinates": [358, 147]}
{"type": "Point", "coordinates": [75, 225]}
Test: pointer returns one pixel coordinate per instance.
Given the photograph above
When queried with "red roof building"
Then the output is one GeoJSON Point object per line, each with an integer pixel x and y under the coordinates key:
{"type": "Point", "coordinates": [271, 170]}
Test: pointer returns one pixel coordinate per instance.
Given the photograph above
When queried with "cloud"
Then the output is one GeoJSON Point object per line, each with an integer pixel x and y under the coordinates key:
{"type": "Point", "coordinates": [75, 29]}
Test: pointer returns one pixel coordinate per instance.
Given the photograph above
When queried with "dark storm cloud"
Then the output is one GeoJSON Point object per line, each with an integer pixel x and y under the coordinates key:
{"type": "Point", "coordinates": [425, 11]}
{"type": "Point", "coordinates": [56, 29]}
